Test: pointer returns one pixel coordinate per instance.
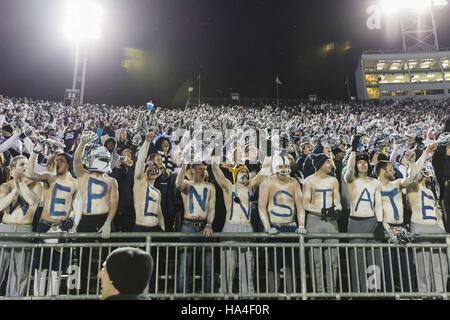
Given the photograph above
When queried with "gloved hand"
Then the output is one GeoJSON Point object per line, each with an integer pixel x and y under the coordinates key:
{"type": "Point", "coordinates": [271, 231]}
{"type": "Point", "coordinates": [379, 232]}
{"type": "Point", "coordinates": [355, 142]}
{"type": "Point", "coordinates": [67, 224]}
{"type": "Point", "coordinates": [323, 214]}
{"type": "Point", "coordinates": [334, 214]}
{"type": "Point", "coordinates": [300, 230]}
{"type": "Point", "coordinates": [88, 137]}
{"type": "Point", "coordinates": [106, 230]}
{"type": "Point", "coordinates": [38, 148]}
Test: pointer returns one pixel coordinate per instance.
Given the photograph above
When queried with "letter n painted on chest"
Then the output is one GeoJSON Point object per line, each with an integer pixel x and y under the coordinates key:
{"type": "Point", "coordinates": [200, 200]}
{"type": "Point", "coordinates": [246, 211]}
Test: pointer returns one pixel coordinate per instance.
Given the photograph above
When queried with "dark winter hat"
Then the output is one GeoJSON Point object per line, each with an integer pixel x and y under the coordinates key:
{"type": "Point", "coordinates": [295, 139]}
{"type": "Point", "coordinates": [337, 150]}
{"type": "Point", "coordinates": [365, 157]}
{"type": "Point", "coordinates": [8, 127]}
{"type": "Point", "coordinates": [319, 160]}
{"type": "Point", "coordinates": [129, 269]}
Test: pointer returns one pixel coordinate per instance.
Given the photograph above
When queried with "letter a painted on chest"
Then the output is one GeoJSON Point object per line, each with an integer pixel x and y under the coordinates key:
{"type": "Point", "coordinates": [365, 191]}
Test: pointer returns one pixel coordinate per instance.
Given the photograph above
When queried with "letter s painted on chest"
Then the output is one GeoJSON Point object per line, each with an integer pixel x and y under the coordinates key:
{"type": "Point", "coordinates": [275, 196]}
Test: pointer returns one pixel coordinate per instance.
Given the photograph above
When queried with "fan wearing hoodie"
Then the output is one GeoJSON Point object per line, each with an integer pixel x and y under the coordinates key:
{"type": "Point", "coordinates": [111, 145]}
{"type": "Point", "coordinates": [163, 146]}
{"type": "Point", "coordinates": [122, 140]}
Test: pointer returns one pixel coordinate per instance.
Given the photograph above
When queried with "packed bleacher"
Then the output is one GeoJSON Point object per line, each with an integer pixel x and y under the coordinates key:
{"type": "Point", "coordinates": [320, 167]}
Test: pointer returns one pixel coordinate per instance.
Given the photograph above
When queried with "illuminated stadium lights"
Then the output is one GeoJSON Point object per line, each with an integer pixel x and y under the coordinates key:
{"type": "Point", "coordinates": [394, 6]}
{"type": "Point", "coordinates": [400, 77]}
{"type": "Point", "coordinates": [430, 76]}
{"type": "Point", "coordinates": [82, 21]}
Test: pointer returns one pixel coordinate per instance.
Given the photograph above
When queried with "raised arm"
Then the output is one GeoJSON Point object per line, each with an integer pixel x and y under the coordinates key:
{"type": "Point", "coordinates": [86, 138]}
{"type": "Point", "coordinates": [349, 177]}
{"type": "Point", "coordinates": [416, 166]}
{"type": "Point", "coordinates": [262, 174]}
{"type": "Point", "coordinates": [349, 174]}
{"type": "Point", "coordinates": [182, 185]}
{"type": "Point", "coordinates": [394, 154]}
{"type": "Point", "coordinates": [223, 182]}
{"type": "Point", "coordinates": [140, 164]}
{"type": "Point", "coordinates": [30, 172]}
{"type": "Point", "coordinates": [9, 142]}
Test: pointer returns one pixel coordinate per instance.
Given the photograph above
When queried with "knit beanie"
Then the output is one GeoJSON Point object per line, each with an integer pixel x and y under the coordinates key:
{"type": "Point", "coordinates": [319, 160]}
{"type": "Point", "coordinates": [365, 157]}
{"type": "Point", "coordinates": [8, 127]}
{"type": "Point", "coordinates": [129, 269]}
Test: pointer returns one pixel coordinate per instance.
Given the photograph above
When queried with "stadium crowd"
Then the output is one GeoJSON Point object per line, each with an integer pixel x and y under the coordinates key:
{"type": "Point", "coordinates": [322, 167]}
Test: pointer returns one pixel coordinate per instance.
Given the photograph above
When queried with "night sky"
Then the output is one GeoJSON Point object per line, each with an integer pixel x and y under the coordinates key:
{"type": "Point", "coordinates": [238, 45]}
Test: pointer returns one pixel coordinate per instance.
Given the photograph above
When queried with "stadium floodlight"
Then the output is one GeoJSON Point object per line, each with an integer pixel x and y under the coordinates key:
{"type": "Point", "coordinates": [394, 6]}
{"type": "Point", "coordinates": [82, 20]}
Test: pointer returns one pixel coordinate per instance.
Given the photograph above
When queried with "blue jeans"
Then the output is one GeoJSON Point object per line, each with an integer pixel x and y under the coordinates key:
{"type": "Point", "coordinates": [42, 227]}
{"type": "Point", "coordinates": [406, 262]}
{"type": "Point", "coordinates": [186, 255]}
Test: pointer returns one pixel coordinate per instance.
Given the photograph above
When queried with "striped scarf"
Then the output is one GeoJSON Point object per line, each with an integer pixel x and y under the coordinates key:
{"type": "Point", "coordinates": [167, 161]}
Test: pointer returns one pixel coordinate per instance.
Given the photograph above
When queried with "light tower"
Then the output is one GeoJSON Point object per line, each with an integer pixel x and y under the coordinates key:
{"type": "Point", "coordinates": [82, 23]}
{"type": "Point", "coordinates": [417, 23]}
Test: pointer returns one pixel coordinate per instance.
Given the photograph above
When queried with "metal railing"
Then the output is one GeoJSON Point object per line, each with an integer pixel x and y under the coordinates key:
{"type": "Point", "coordinates": [230, 266]}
